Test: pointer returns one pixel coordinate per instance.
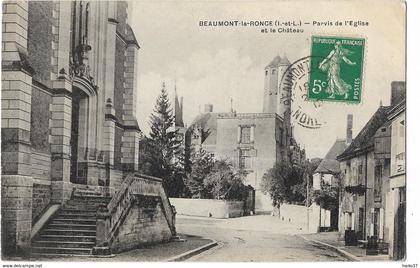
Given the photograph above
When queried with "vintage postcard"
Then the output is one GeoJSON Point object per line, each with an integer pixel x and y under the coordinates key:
{"type": "Point", "coordinates": [228, 131]}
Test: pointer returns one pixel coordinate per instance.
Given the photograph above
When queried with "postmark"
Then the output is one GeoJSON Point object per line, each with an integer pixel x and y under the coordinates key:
{"type": "Point", "coordinates": [336, 69]}
{"type": "Point", "coordinates": [294, 95]}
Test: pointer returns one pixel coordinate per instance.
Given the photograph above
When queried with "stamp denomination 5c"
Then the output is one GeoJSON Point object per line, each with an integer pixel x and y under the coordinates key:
{"type": "Point", "coordinates": [336, 69]}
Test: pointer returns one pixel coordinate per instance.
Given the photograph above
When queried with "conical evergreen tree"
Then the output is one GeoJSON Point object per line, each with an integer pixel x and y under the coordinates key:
{"type": "Point", "coordinates": [161, 151]}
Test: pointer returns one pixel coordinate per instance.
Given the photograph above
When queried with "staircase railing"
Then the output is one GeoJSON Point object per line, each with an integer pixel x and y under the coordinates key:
{"type": "Point", "coordinates": [110, 218]}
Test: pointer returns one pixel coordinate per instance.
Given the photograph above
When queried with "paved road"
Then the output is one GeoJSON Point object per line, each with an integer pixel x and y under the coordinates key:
{"type": "Point", "coordinates": [254, 238]}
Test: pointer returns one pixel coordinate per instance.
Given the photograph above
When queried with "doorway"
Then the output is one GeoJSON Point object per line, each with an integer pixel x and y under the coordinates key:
{"type": "Point", "coordinates": [79, 134]}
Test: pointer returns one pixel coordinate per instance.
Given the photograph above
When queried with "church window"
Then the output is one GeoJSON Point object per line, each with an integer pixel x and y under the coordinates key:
{"type": "Point", "coordinates": [266, 72]}
{"type": "Point", "coordinates": [273, 71]}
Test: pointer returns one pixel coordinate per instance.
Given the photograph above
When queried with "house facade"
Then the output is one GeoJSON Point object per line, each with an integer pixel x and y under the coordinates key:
{"type": "Point", "coordinates": [364, 170]}
{"type": "Point", "coordinates": [367, 203]}
{"type": "Point", "coordinates": [396, 192]}
{"type": "Point", "coordinates": [328, 173]}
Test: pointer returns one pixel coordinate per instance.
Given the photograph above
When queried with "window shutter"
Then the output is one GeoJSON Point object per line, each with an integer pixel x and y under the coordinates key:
{"type": "Point", "coordinates": [252, 134]}
{"type": "Point", "coordinates": [239, 134]}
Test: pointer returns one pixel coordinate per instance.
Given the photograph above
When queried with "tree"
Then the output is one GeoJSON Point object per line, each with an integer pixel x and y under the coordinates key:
{"type": "Point", "coordinates": [223, 182]}
{"type": "Point", "coordinates": [161, 152]}
{"type": "Point", "coordinates": [201, 166]}
{"type": "Point", "coordinates": [301, 177]}
{"type": "Point", "coordinates": [327, 196]}
{"type": "Point", "coordinates": [275, 183]}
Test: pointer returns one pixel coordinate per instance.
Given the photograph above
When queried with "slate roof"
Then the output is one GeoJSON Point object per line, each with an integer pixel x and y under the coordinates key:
{"type": "Point", "coordinates": [364, 140]}
{"type": "Point", "coordinates": [329, 164]}
{"type": "Point", "coordinates": [179, 122]}
{"type": "Point", "coordinates": [128, 36]}
{"type": "Point", "coordinates": [208, 122]}
{"type": "Point", "coordinates": [277, 61]}
{"type": "Point", "coordinates": [131, 37]}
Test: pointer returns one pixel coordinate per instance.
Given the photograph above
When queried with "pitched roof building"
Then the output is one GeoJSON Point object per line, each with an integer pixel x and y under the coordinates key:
{"type": "Point", "coordinates": [329, 164]}
{"type": "Point", "coordinates": [366, 167]}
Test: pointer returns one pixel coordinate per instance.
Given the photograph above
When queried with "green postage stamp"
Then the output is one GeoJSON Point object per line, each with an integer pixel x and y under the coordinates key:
{"type": "Point", "coordinates": [336, 69]}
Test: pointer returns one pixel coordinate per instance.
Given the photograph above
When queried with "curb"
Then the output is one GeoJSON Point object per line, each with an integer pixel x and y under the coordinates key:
{"type": "Point", "coordinates": [343, 253]}
{"type": "Point", "coordinates": [193, 252]}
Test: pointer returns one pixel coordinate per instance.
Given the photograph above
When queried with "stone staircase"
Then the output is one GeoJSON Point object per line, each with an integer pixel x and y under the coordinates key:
{"type": "Point", "coordinates": [72, 230]}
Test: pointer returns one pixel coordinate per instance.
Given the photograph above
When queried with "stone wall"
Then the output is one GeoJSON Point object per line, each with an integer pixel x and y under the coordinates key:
{"type": "Point", "coordinates": [40, 119]}
{"type": "Point", "coordinates": [40, 38]}
{"type": "Point", "coordinates": [300, 215]}
{"type": "Point", "coordinates": [208, 207]}
{"type": "Point", "coordinates": [119, 78]}
{"type": "Point", "coordinates": [41, 197]}
{"type": "Point", "coordinates": [117, 147]}
{"type": "Point", "coordinates": [41, 166]}
{"type": "Point", "coordinates": [115, 180]}
{"type": "Point", "coordinates": [144, 224]}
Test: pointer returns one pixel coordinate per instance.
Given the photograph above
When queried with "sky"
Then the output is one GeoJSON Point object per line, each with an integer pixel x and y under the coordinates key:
{"type": "Point", "coordinates": [215, 64]}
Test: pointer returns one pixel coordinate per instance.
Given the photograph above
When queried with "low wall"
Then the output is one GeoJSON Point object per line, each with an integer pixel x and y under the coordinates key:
{"type": "Point", "coordinates": [139, 214]}
{"type": "Point", "coordinates": [145, 224]}
{"type": "Point", "coordinates": [300, 215]}
{"type": "Point", "coordinates": [208, 207]}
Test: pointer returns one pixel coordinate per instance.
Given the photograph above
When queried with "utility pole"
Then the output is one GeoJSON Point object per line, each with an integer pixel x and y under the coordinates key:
{"type": "Point", "coordinates": [307, 199]}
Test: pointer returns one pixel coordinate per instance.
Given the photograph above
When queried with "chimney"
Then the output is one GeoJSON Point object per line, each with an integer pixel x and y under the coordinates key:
{"type": "Point", "coordinates": [208, 108]}
{"type": "Point", "coordinates": [349, 136]}
{"type": "Point", "coordinates": [397, 92]}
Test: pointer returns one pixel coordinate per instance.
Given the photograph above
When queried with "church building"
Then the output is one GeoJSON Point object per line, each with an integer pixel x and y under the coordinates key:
{"type": "Point", "coordinates": [69, 127]}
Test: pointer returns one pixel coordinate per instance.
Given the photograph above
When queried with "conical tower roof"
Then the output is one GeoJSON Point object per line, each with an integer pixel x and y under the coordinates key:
{"type": "Point", "coordinates": [278, 61]}
{"type": "Point", "coordinates": [274, 62]}
{"type": "Point", "coordinates": [284, 61]}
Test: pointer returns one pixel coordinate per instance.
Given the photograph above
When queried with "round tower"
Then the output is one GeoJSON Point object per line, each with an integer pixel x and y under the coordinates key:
{"type": "Point", "coordinates": [273, 72]}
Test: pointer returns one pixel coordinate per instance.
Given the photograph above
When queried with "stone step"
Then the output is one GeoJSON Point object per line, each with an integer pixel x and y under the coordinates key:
{"type": "Point", "coordinates": [60, 220]}
{"type": "Point", "coordinates": [90, 198]}
{"type": "Point", "coordinates": [63, 244]}
{"type": "Point", "coordinates": [77, 216]}
{"type": "Point", "coordinates": [72, 226]}
{"type": "Point", "coordinates": [78, 211]}
{"type": "Point", "coordinates": [51, 255]}
{"type": "Point", "coordinates": [87, 192]}
{"type": "Point", "coordinates": [57, 250]}
{"type": "Point", "coordinates": [82, 206]}
{"type": "Point", "coordinates": [75, 238]}
{"type": "Point", "coordinates": [93, 207]}
{"type": "Point", "coordinates": [76, 232]}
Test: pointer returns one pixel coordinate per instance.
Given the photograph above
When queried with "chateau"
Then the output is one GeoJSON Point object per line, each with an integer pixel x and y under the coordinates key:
{"type": "Point", "coordinates": [254, 142]}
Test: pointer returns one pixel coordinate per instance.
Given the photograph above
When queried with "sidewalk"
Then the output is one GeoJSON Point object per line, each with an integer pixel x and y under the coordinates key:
{"type": "Point", "coordinates": [171, 251]}
{"type": "Point", "coordinates": [334, 241]}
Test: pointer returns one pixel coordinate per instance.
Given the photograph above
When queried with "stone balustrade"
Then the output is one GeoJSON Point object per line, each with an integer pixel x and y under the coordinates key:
{"type": "Point", "coordinates": [135, 189]}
